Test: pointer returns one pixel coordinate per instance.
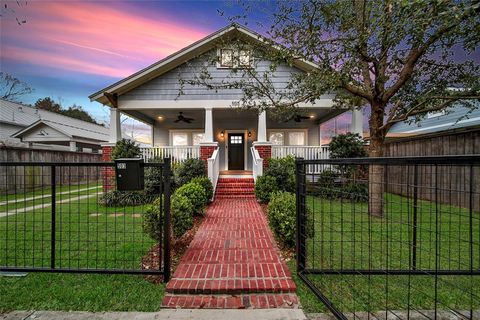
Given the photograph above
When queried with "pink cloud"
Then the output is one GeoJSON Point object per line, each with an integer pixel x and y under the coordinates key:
{"type": "Point", "coordinates": [93, 38]}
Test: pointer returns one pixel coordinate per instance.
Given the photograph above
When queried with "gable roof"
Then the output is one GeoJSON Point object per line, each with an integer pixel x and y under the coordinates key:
{"type": "Point", "coordinates": [69, 130]}
{"type": "Point", "coordinates": [174, 60]}
{"type": "Point", "coordinates": [30, 117]}
{"type": "Point", "coordinates": [459, 117]}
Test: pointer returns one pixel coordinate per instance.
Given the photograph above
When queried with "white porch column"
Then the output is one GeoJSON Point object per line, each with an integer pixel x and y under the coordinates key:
{"type": "Point", "coordinates": [262, 127]}
{"type": "Point", "coordinates": [208, 125]}
{"type": "Point", "coordinates": [357, 122]}
{"type": "Point", "coordinates": [115, 126]}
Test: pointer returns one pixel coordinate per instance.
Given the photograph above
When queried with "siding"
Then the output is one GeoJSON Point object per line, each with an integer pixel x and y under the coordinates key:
{"type": "Point", "coordinates": [167, 86]}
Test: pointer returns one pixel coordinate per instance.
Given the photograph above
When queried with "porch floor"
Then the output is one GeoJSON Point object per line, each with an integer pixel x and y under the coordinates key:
{"type": "Point", "coordinates": [233, 262]}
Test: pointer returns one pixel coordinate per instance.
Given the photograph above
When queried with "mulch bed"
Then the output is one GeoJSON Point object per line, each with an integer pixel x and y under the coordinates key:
{"type": "Point", "coordinates": [151, 262]}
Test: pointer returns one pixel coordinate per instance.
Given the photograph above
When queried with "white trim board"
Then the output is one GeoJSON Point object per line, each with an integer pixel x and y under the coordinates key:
{"type": "Point", "coordinates": [202, 104]}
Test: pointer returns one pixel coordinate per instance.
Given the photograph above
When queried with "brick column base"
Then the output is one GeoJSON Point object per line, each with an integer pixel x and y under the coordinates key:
{"type": "Point", "coordinates": [265, 151]}
{"type": "Point", "coordinates": [206, 151]}
{"type": "Point", "coordinates": [108, 173]}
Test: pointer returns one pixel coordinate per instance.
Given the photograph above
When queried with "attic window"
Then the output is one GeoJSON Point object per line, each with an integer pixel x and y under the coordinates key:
{"type": "Point", "coordinates": [234, 58]}
{"type": "Point", "coordinates": [226, 58]}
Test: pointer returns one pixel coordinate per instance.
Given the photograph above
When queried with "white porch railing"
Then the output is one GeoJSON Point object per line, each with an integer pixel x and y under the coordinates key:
{"type": "Point", "coordinates": [257, 163]}
{"type": "Point", "coordinates": [306, 152]}
{"type": "Point", "coordinates": [177, 153]}
{"type": "Point", "coordinates": [213, 168]}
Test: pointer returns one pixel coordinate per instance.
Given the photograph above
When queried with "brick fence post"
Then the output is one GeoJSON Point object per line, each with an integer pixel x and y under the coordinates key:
{"type": "Point", "coordinates": [108, 173]}
{"type": "Point", "coordinates": [265, 151]}
{"type": "Point", "coordinates": [206, 151]}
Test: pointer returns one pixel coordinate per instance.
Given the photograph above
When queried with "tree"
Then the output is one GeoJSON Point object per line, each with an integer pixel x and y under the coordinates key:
{"type": "Point", "coordinates": [78, 112]}
{"type": "Point", "coordinates": [395, 57]}
{"type": "Point", "coordinates": [12, 88]}
{"type": "Point", "coordinates": [48, 104]}
{"type": "Point", "coordinates": [75, 111]}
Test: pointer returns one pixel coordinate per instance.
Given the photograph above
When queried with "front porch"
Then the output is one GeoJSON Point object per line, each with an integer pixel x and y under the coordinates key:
{"type": "Point", "coordinates": [231, 140]}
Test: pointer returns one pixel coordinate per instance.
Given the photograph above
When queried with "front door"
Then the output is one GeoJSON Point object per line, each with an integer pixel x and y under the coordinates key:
{"type": "Point", "coordinates": [236, 151]}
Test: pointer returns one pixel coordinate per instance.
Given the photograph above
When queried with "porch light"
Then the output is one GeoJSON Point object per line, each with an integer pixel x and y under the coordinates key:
{"type": "Point", "coordinates": [160, 118]}
{"type": "Point", "coordinates": [222, 134]}
{"type": "Point", "coordinates": [312, 116]}
{"type": "Point", "coordinates": [249, 134]}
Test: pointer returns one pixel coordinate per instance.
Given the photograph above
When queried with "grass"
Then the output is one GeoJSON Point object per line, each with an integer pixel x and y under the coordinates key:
{"type": "Point", "coordinates": [346, 237]}
{"type": "Point", "coordinates": [88, 235]}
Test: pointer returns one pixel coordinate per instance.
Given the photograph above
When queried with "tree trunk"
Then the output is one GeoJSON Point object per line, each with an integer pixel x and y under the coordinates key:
{"type": "Point", "coordinates": [375, 179]}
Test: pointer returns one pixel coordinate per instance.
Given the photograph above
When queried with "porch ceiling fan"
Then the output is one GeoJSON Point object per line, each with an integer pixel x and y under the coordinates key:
{"type": "Point", "coordinates": [181, 117]}
{"type": "Point", "coordinates": [297, 118]}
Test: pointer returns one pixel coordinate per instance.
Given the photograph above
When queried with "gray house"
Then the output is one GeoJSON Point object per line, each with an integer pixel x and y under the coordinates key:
{"type": "Point", "coordinates": [25, 126]}
{"type": "Point", "coordinates": [203, 123]}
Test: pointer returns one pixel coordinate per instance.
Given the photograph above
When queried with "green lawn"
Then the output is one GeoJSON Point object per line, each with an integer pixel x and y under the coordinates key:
{"type": "Point", "coordinates": [346, 237]}
{"type": "Point", "coordinates": [88, 236]}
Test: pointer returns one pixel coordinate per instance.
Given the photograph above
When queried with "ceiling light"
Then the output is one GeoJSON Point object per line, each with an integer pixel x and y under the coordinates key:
{"type": "Point", "coordinates": [160, 118]}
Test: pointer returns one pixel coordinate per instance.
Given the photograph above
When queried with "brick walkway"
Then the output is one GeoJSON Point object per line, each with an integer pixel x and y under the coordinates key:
{"type": "Point", "coordinates": [232, 262]}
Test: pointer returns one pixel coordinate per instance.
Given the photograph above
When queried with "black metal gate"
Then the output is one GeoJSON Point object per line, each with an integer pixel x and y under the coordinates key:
{"type": "Point", "coordinates": [395, 238]}
{"type": "Point", "coordinates": [66, 217]}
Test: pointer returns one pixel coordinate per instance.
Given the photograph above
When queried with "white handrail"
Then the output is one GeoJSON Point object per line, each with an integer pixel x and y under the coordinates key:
{"type": "Point", "coordinates": [213, 169]}
{"type": "Point", "coordinates": [257, 166]}
{"type": "Point", "coordinates": [177, 153]}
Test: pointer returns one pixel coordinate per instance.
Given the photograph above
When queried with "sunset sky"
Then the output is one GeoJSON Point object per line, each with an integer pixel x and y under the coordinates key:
{"type": "Point", "coordinates": [70, 49]}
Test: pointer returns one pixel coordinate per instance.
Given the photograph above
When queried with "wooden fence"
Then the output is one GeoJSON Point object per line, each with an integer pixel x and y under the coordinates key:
{"type": "Point", "coordinates": [29, 178]}
{"type": "Point", "coordinates": [453, 181]}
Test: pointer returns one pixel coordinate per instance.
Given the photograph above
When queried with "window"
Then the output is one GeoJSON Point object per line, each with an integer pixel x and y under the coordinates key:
{"type": "Point", "coordinates": [244, 58]}
{"type": "Point", "coordinates": [234, 58]}
{"type": "Point", "coordinates": [276, 138]}
{"type": "Point", "coordinates": [226, 58]}
{"type": "Point", "coordinates": [236, 139]}
{"type": "Point", "coordinates": [296, 138]}
{"type": "Point", "coordinates": [180, 139]}
{"type": "Point", "coordinates": [197, 137]}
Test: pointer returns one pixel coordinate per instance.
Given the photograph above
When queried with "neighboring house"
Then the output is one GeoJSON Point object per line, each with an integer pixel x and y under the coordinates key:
{"type": "Point", "coordinates": [458, 118]}
{"type": "Point", "coordinates": [231, 139]}
{"type": "Point", "coordinates": [25, 126]}
{"type": "Point", "coordinates": [455, 132]}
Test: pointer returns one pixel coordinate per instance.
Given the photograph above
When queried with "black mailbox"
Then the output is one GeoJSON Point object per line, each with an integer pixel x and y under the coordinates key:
{"type": "Point", "coordinates": [129, 174]}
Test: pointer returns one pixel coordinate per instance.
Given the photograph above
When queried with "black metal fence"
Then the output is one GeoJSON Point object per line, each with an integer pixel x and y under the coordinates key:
{"type": "Point", "coordinates": [65, 217]}
{"type": "Point", "coordinates": [391, 238]}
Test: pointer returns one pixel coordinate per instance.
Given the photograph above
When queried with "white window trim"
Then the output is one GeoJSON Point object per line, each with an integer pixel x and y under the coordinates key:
{"type": "Point", "coordinates": [189, 133]}
{"type": "Point", "coordinates": [285, 132]}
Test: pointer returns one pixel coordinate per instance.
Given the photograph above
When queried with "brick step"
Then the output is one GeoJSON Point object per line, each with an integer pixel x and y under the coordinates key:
{"type": "Point", "coordinates": [235, 196]}
{"type": "Point", "coordinates": [235, 191]}
{"type": "Point", "coordinates": [236, 180]}
{"type": "Point", "coordinates": [243, 301]}
{"type": "Point", "coordinates": [235, 185]}
{"type": "Point", "coordinates": [230, 286]}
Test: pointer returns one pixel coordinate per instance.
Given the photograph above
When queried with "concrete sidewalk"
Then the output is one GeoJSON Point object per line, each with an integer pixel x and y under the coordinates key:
{"type": "Point", "coordinates": [173, 314]}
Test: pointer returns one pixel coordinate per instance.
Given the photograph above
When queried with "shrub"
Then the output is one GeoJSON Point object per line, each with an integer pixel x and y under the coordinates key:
{"type": "Point", "coordinates": [206, 185]}
{"type": "Point", "coordinates": [153, 220]}
{"type": "Point", "coordinates": [326, 186]}
{"type": "Point", "coordinates": [153, 177]}
{"type": "Point", "coordinates": [188, 170]}
{"type": "Point", "coordinates": [195, 193]}
{"type": "Point", "coordinates": [349, 145]}
{"type": "Point", "coordinates": [283, 170]}
{"type": "Point", "coordinates": [282, 218]}
{"type": "Point", "coordinates": [356, 191]}
{"type": "Point", "coordinates": [116, 198]}
{"type": "Point", "coordinates": [125, 149]}
{"type": "Point", "coordinates": [182, 214]}
{"type": "Point", "coordinates": [264, 186]}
